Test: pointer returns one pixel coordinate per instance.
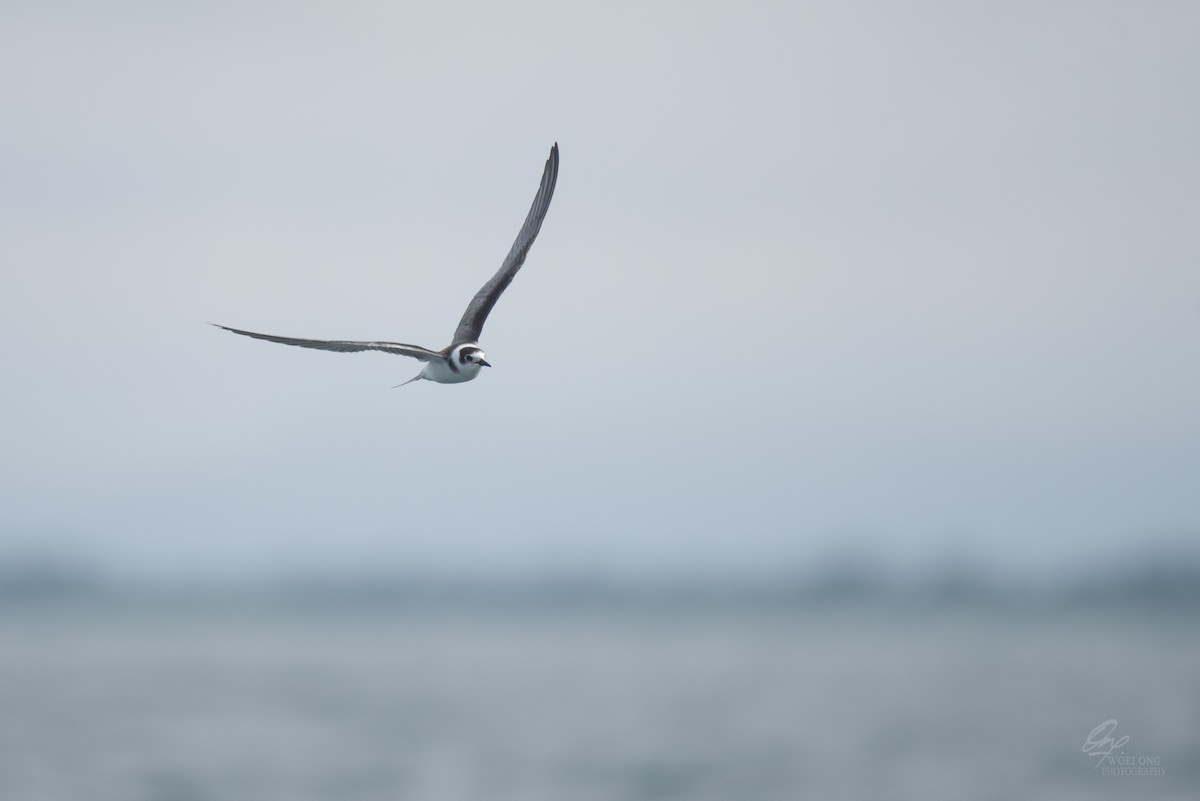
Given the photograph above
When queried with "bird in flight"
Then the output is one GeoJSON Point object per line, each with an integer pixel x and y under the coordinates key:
{"type": "Point", "coordinates": [463, 358]}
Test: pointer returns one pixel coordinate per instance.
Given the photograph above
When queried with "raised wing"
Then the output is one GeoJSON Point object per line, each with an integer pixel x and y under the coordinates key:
{"type": "Point", "coordinates": [481, 305]}
{"type": "Point", "coordinates": [344, 346]}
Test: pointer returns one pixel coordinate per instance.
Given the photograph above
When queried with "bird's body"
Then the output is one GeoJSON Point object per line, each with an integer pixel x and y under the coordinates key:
{"type": "Point", "coordinates": [454, 368]}
{"type": "Point", "coordinates": [462, 359]}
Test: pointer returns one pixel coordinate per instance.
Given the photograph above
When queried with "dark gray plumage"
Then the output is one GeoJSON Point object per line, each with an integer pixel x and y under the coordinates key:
{"type": "Point", "coordinates": [471, 325]}
{"type": "Point", "coordinates": [346, 346]}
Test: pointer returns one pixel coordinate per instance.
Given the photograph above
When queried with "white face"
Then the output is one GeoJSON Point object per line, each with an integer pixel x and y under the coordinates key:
{"type": "Point", "coordinates": [473, 355]}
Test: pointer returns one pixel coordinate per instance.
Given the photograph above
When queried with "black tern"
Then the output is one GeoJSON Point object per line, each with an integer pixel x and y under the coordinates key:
{"type": "Point", "coordinates": [462, 359]}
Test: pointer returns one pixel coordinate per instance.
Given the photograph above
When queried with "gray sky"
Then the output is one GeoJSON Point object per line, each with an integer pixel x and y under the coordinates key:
{"type": "Point", "coordinates": [893, 279]}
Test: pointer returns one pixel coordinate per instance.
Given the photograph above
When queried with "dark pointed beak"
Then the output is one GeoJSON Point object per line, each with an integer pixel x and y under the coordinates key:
{"type": "Point", "coordinates": [482, 363]}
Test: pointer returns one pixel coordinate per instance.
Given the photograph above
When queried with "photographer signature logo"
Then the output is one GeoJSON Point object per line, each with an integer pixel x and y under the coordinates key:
{"type": "Point", "coordinates": [1103, 742]}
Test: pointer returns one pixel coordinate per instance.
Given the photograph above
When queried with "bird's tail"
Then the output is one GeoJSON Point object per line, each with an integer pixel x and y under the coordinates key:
{"type": "Point", "coordinates": [416, 377]}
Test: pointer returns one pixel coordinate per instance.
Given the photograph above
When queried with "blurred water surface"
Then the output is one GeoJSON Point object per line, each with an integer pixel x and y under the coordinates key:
{"type": "Point", "coordinates": [186, 701]}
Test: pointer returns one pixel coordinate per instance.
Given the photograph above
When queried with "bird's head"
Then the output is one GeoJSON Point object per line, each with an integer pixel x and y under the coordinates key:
{"type": "Point", "coordinates": [472, 354]}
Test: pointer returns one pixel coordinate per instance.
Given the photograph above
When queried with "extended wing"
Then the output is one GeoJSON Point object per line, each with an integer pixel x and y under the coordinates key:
{"type": "Point", "coordinates": [481, 305]}
{"type": "Point", "coordinates": [344, 346]}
